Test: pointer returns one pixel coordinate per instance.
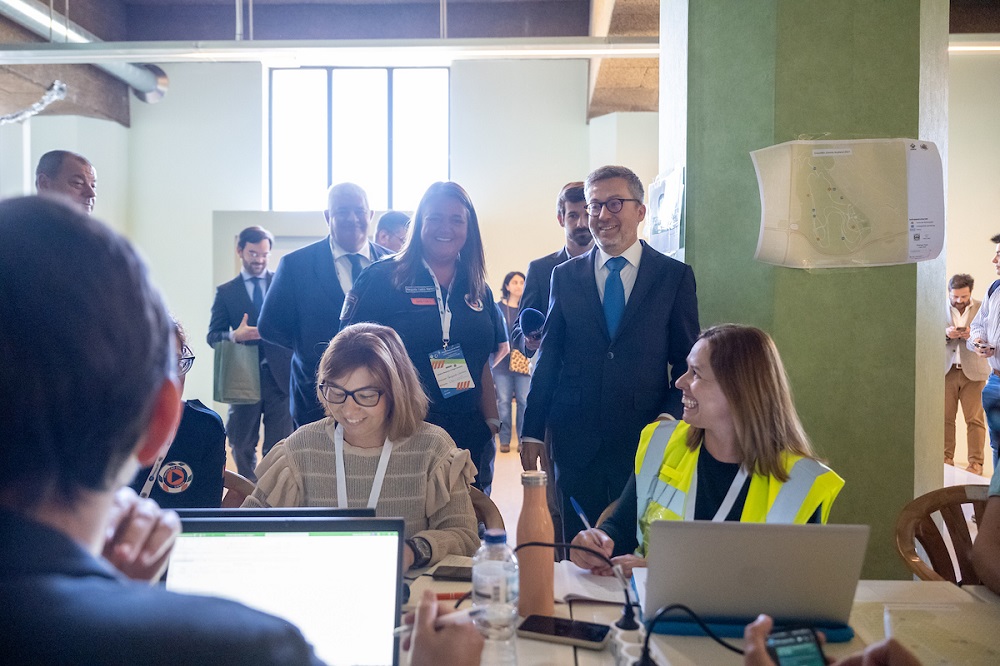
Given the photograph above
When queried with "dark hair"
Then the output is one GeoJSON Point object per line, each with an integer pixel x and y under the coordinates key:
{"type": "Point", "coordinates": [254, 235]}
{"type": "Point", "coordinates": [50, 163]}
{"type": "Point", "coordinates": [504, 291]}
{"type": "Point", "coordinates": [962, 280]}
{"type": "Point", "coordinates": [86, 344]}
{"type": "Point", "coordinates": [995, 239]}
{"type": "Point", "coordinates": [571, 192]}
{"type": "Point", "coordinates": [391, 221]}
{"type": "Point", "coordinates": [471, 263]}
{"type": "Point", "coordinates": [609, 172]}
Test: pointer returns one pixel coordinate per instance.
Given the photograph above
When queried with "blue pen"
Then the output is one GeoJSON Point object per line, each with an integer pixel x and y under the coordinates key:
{"type": "Point", "coordinates": [579, 512]}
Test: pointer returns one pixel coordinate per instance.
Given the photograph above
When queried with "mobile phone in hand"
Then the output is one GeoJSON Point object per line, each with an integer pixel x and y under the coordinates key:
{"type": "Point", "coordinates": [795, 647]}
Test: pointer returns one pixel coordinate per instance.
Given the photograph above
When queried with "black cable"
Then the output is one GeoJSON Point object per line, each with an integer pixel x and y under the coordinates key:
{"type": "Point", "coordinates": [647, 659]}
{"type": "Point", "coordinates": [627, 621]}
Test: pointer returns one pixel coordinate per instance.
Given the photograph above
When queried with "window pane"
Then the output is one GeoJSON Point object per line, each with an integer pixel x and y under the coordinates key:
{"type": "Point", "coordinates": [298, 139]}
{"type": "Point", "coordinates": [420, 133]}
{"type": "Point", "coordinates": [359, 135]}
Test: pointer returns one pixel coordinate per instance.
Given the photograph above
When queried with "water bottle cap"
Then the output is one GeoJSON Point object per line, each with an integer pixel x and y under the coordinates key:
{"type": "Point", "coordinates": [534, 478]}
{"type": "Point", "coordinates": [495, 535]}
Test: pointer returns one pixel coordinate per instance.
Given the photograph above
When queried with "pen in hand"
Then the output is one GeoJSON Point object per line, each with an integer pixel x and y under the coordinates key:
{"type": "Point", "coordinates": [457, 617]}
{"type": "Point", "coordinates": [579, 512]}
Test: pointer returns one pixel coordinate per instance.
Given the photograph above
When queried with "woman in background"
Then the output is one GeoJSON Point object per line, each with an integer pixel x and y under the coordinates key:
{"type": "Point", "coordinates": [511, 373]}
{"type": "Point", "coordinates": [434, 294]}
{"type": "Point", "coordinates": [739, 447]}
{"type": "Point", "coordinates": [375, 450]}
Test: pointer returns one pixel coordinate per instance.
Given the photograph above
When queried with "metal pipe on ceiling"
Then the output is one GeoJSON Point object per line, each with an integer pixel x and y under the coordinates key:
{"type": "Point", "coordinates": [147, 81]}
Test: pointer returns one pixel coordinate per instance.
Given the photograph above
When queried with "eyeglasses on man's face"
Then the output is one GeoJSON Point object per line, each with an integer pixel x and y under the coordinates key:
{"type": "Point", "coordinates": [613, 205]}
{"type": "Point", "coordinates": [367, 396]}
{"type": "Point", "coordinates": [185, 360]}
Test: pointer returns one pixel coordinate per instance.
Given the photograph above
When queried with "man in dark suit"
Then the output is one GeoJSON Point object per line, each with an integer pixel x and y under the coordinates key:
{"type": "Point", "coordinates": [234, 318]}
{"type": "Point", "coordinates": [83, 410]}
{"type": "Point", "coordinates": [573, 219]}
{"type": "Point", "coordinates": [302, 308]}
{"type": "Point", "coordinates": [622, 319]}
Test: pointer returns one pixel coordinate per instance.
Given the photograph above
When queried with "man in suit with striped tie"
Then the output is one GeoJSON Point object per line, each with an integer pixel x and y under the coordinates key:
{"type": "Point", "coordinates": [235, 312]}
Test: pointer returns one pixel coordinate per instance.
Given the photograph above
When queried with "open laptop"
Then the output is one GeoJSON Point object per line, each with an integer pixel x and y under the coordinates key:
{"type": "Point", "coordinates": [730, 572]}
{"type": "Point", "coordinates": [337, 579]}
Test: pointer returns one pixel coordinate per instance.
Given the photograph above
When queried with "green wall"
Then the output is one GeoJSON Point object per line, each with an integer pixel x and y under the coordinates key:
{"type": "Point", "coordinates": [762, 72]}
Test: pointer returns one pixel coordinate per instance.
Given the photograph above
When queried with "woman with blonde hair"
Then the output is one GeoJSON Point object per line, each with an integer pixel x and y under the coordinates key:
{"type": "Point", "coordinates": [739, 453]}
{"type": "Point", "coordinates": [375, 450]}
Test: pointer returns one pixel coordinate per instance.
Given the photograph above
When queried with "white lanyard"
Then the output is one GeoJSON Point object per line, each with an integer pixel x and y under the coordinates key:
{"type": "Point", "coordinates": [151, 477]}
{"type": "Point", "coordinates": [727, 502]}
{"type": "Point", "coordinates": [383, 463]}
{"type": "Point", "coordinates": [443, 308]}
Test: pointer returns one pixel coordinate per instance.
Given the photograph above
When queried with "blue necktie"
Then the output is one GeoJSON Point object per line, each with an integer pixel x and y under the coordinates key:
{"type": "Point", "coordinates": [355, 260]}
{"type": "Point", "coordinates": [614, 294]}
{"type": "Point", "coordinates": [258, 297]}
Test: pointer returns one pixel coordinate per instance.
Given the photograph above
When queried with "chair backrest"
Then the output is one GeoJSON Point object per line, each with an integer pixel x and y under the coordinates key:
{"type": "Point", "coordinates": [487, 512]}
{"type": "Point", "coordinates": [916, 524]}
{"type": "Point", "coordinates": [237, 488]}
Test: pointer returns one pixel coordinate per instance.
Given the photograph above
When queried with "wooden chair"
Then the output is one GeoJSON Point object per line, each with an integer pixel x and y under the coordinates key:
{"type": "Point", "coordinates": [237, 488]}
{"type": "Point", "coordinates": [487, 512]}
{"type": "Point", "coordinates": [916, 525]}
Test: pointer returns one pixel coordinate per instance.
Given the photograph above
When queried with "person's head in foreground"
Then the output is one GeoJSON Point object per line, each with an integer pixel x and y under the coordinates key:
{"type": "Point", "coordinates": [367, 384]}
{"type": "Point", "coordinates": [90, 393]}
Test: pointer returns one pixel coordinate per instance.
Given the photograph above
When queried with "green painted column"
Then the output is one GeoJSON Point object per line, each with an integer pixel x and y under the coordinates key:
{"type": "Point", "coordinates": [860, 345]}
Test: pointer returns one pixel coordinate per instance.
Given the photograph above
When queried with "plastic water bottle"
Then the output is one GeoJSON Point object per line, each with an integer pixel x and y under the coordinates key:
{"type": "Point", "coordinates": [495, 586]}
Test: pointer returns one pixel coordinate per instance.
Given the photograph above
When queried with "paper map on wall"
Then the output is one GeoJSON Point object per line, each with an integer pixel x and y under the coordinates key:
{"type": "Point", "coordinates": [835, 204]}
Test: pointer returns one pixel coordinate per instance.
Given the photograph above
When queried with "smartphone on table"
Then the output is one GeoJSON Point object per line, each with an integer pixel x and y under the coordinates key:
{"type": "Point", "coordinates": [588, 635]}
{"type": "Point", "coordinates": [459, 574]}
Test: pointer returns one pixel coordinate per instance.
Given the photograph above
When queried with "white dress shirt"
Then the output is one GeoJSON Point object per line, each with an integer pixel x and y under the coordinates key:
{"type": "Point", "coordinates": [629, 271]}
{"type": "Point", "coordinates": [343, 265]}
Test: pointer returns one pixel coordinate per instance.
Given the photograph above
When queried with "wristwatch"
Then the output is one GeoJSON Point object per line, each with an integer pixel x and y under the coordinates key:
{"type": "Point", "coordinates": [421, 551]}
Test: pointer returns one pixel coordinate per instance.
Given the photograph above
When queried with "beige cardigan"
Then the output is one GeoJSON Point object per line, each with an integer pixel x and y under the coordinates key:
{"type": "Point", "coordinates": [426, 482]}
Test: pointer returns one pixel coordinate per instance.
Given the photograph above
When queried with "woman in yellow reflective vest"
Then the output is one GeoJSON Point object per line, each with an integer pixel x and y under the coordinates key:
{"type": "Point", "coordinates": [739, 454]}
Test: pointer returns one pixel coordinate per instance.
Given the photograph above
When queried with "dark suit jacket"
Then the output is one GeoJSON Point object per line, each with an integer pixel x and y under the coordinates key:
{"type": "Point", "coordinates": [536, 291]}
{"type": "Point", "coordinates": [302, 312]}
{"type": "Point", "coordinates": [231, 303]}
{"type": "Point", "coordinates": [596, 393]}
{"type": "Point", "coordinates": [62, 605]}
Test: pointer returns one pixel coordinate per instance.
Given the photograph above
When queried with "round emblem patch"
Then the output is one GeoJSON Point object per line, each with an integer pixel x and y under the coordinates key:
{"type": "Point", "coordinates": [476, 305]}
{"type": "Point", "coordinates": [175, 477]}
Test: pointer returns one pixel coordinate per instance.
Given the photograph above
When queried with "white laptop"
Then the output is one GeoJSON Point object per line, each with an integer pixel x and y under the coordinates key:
{"type": "Point", "coordinates": [337, 579]}
{"type": "Point", "coordinates": [730, 572]}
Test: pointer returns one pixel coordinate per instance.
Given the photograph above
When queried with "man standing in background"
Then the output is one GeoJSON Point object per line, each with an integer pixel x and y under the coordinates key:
{"type": "Point", "coordinates": [302, 309]}
{"type": "Point", "coordinates": [572, 218]}
{"type": "Point", "coordinates": [621, 322]}
{"type": "Point", "coordinates": [66, 174]}
{"type": "Point", "coordinates": [235, 312]}
{"type": "Point", "coordinates": [965, 375]}
{"type": "Point", "coordinates": [390, 232]}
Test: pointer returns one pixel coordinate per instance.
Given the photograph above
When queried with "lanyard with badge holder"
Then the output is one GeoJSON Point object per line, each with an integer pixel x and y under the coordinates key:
{"type": "Point", "coordinates": [451, 370]}
{"type": "Point", "coordinates": [383, 464]}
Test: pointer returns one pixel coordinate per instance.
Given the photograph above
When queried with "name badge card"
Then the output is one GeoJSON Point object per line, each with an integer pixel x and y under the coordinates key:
{"type": "Point", "coordinates": [451, 370]}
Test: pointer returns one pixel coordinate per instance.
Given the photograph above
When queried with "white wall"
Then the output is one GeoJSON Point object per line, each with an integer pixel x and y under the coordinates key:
{"type": "Point", "coordinates": [973, 176]}
{"type": "Point", "coordinates": [630, 139]}
{"type": "Point", "coordinates": [518, 134]}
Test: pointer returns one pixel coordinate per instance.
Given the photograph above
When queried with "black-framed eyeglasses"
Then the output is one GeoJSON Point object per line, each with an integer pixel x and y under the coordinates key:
{"type": "Point", "coordinates": [185, 361]}
{"type": "Point", "coordinates": [365, 397]}
{"type": "Point", "coordinates": [613, 206]}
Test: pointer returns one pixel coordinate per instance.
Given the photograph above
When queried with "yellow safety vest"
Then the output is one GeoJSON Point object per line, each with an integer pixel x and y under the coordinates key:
{"type": "Point", "coordinates": [662, 490]}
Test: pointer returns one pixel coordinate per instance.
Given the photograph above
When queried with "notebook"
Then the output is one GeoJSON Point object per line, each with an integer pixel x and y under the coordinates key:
{"type": "Point", "coordinates": [337, 579]}
{"type": "Point", "coordinates": [730, 572]}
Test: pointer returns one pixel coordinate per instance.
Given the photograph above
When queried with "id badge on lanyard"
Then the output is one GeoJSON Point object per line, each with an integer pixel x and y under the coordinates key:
{"type": "Point", "coordinates": [451, 370]}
